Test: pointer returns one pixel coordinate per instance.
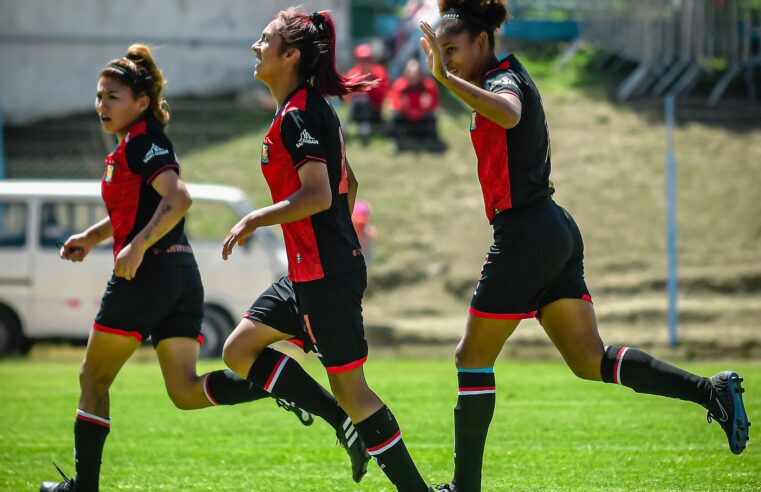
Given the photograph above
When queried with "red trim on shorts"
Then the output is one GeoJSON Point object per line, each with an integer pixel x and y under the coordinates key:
{"type": "Point", "coordinates": [201, 339]}
{"type": "Point", "coordinates": [481, 314]}
{"type": "Point", "coordinates": [346, 367]}
{"type": "Point", "coordinates": [587, 297]}
{"type": "Point", "coordinates": [296, 342]}
{"type": "Point", "coordinates": [117, 331]}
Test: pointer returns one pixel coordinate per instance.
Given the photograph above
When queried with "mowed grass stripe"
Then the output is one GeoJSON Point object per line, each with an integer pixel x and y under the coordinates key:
{"type": "Point", "coordinates": [550, 432]}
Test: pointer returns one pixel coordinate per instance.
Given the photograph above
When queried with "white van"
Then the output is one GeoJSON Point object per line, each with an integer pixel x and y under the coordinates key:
{"type": "Point", "coordinates": [45, 298]}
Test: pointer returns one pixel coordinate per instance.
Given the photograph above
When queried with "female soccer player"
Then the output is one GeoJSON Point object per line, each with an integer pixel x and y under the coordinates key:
{"type": "Point", "coordinates": [535, 266]}
{"type": "Point", "coordinates": [155, 289]}
{"type": "Point", "coordinates": [320, 302]}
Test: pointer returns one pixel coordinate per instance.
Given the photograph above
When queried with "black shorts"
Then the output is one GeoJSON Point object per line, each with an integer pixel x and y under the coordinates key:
{"type": "Point", "coordinates": [323, 316]}
{"type": "Point", "coordinates": [160, 302]}
{"type": "Point", "coordinates": [537, 258]}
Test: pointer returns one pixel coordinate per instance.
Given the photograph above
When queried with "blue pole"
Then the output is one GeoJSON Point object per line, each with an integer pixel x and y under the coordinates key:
{"type": "Point", "coordinates": [672, 283]}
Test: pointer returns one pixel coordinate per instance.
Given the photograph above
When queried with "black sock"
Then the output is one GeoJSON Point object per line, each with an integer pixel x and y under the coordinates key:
{"type": "Point", "coordinates": [227, 388]}
{"type": "Point", "coordinates": [90, 433]}
{"type": "Point", "coordinates": [284, 378]}
{"type": "Point", "coordinates": [472, 416]}
{"type": "Point", "coordinates": [383, 439]}
{"type": "Point", "coordinates": [645, 374]}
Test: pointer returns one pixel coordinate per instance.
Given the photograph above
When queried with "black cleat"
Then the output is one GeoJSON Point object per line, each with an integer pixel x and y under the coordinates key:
{"type": "Point", "coordinates": [443, 487]}
{"type": "Point", "coordinates": [726, 407]}
{"type": "Point", "coordinates": [304, 417]}
{"type": "Point", "coordinates": [349, 439]}
{"type": "Point", "coordinates": [68, 484]}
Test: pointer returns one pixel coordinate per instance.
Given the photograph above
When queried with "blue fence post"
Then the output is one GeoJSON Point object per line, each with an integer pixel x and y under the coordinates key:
{"type": "Point", "coordinates": [672, 283]}
{"type": "Point", "coordinates": [2, 147]}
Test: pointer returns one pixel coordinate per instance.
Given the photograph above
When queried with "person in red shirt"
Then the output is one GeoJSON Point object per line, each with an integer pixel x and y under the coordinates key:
{"type": "Point", "coordinates": [414, 100]}
{"type": "Point", "coordinates": [366, 109]}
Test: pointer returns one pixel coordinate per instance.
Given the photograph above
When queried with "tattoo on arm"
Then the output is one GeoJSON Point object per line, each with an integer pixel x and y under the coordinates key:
{"type": "Point", "coordinates": [155, 222]}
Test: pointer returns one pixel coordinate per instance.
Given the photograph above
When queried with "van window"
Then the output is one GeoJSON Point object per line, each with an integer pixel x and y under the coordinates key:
{"type": "Point", "coordinates": [12, 224]}
{"type": "Point", "coordinates": [209, 221]}
{"type": "Point", "coordinates": [59, 220]}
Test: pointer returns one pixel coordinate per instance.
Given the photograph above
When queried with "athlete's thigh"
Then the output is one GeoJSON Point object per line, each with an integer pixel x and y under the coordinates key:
{"type": "Point", "coordinates": [483, 341]}
{"type": "Point", "coordinates": [178, 357]}
{"type": "Point", "coordinates": [572, 327]}
{"type": "Point", "coordinates": [105, 355]}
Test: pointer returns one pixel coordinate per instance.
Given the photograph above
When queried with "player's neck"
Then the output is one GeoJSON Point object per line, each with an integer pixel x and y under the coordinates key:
{"type": "Point", "coordinates": [283, 89]}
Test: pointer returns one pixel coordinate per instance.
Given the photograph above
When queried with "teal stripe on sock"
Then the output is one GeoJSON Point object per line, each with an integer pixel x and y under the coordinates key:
{"type": "Point", "coordinates": [482, 370]}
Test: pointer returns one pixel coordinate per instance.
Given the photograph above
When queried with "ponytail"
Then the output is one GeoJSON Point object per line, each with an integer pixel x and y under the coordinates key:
{"type": "Point", "coordinates": [138, 71]}
{"type": "Point", "coordinates": [315, 38]}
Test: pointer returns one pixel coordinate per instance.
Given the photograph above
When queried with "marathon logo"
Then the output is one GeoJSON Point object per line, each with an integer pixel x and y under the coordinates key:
{"type": "Point", "coordinates": [306, 139]}
{"type": "Point", "coordinates": [154, 151]}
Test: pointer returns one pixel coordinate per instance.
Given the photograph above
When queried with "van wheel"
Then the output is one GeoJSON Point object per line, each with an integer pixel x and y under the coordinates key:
{"type": "Point", "coordinates": [11, 340]}
{"type": "Point", "coordinates": [215, 328]}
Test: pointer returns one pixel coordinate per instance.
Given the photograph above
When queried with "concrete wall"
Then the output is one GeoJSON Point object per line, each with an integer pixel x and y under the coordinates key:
{"type": "Point", "coordinates": [51, 51]}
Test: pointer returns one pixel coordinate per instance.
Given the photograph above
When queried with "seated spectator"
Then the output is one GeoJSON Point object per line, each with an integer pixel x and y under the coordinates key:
{"type": "Point", "coordinates": [366, 109]}
{"type": "Point", "coordinates": [414, 99]}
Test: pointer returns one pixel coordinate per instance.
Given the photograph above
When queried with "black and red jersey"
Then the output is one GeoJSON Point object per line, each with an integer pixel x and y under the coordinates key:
{"type": "Point", "coordinates": [306, 128]}
{"type": "Point", "coordinates": [144, 153]}
{"type": "Point", "coordinates": [514, 164]}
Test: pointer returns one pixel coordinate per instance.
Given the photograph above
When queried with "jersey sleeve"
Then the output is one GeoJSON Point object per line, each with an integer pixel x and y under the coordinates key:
{"type": "Point", "coordinates": [302, 138]}
{"type": "Point", "coordinates": [148, 157]}
{"type": "Point", "coordinates": [505, 81]}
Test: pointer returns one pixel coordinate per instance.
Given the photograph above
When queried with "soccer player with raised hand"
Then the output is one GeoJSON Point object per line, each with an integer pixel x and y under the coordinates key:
{"type": "Point", "coordinates": [535, 266]}
{"type": "Point", "coordinates": [155, 290]}
{"type": "Point", "coordinates": [319, 304]}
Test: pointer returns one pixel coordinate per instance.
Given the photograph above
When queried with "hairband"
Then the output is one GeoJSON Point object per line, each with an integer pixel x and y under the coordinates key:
{"type": "Point", "coordinates": [461, 14]}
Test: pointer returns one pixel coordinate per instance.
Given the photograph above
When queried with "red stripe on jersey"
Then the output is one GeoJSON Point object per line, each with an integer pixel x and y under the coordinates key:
{"type": "Point", "coordinates": [161, 170]}
{"type": "Point", "coordinates": [343, 185]}
{"type": "Point", "coordinates": [490, 143]}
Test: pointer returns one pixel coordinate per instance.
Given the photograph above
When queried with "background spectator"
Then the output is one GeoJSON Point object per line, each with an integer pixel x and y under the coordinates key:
{"type": "Point", "coordinates": [366, 109]}
{"type": "Point", "coordinates": [414, 99]}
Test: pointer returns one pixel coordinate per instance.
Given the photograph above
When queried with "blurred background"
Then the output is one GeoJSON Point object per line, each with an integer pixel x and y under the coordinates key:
{"type": "Point", "coordinates": [605, 69]}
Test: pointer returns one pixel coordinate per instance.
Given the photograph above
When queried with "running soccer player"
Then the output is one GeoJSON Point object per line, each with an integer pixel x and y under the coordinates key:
{"type": "Point", "coordinates": [535, 266]}
{"type": "Point", "coordinates": [155, 290]}
{"type": "Point", "coordinates": [319, 304]}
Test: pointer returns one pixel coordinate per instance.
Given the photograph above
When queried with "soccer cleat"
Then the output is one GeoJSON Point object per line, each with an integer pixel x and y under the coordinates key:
{"type": "Point", "coordinates": [443, 487]}
{"type": "Point", "coordinates": [726, 407]}
{"type": "Point", "coordinates": [68, 484]}
{"type": "Point", "coordinates": [349, 439]}
{"type": "Point", "coordinates": [304, 417]}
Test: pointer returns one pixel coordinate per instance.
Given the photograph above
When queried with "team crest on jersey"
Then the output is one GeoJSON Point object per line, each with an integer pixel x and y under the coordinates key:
{"type": "Point", "coordinates": [306, 139]}
{"type": "Point", "coordinates": [265, 154]}
{"type": "Point", "coordinates": [473, 121]}
{"type": "Point", "coordinates": [109, 173]}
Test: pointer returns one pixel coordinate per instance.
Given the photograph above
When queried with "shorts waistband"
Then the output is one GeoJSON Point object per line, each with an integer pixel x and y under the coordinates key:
{"type": "Point", "coordinates": [524, 212]}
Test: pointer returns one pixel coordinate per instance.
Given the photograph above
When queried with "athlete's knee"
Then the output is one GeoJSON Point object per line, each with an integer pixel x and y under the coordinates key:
{"type": "Point", "coordinates": [587, 366]}
{"type": "Point", "coordinates": [182, 395]}
{"type": "Point", "coordinates": [94, 383]}
{"type": "Point", "coordinates": [466, 357]}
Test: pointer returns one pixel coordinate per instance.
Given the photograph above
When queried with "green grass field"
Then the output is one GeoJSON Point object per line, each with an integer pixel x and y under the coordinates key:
{"type": "Point", "coordinates": [550, 432]}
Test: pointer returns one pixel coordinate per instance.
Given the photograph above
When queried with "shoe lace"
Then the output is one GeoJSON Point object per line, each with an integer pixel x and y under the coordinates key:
{"type": "Point", "coordinates": [285, 405]}
{"type": "Point", "coordinates": [66, 480]}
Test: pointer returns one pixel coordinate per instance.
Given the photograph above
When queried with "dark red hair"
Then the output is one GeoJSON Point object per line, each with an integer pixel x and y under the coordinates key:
{"type": "Point", "coordinates": [315, 38]}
